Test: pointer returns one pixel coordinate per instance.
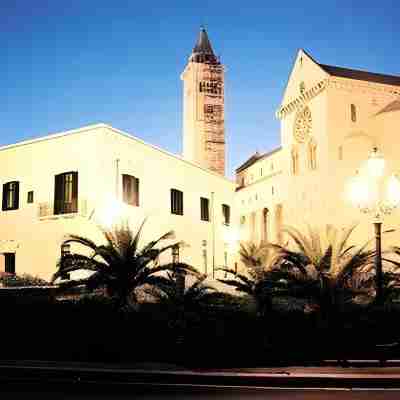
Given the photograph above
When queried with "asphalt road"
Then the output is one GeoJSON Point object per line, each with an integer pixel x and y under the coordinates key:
{"type": "Point", "coordinates": [206, 393]}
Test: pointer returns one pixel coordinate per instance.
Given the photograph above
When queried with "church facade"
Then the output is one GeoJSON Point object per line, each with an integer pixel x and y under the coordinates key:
{"type": "Point", "coordinates": [330, 117]}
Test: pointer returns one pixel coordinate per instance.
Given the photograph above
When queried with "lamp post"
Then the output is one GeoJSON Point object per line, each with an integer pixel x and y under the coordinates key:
{"type": "Point", "coordinates": [377, 195]}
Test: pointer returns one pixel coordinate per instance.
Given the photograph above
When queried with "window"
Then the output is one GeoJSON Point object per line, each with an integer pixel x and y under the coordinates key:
{"type": "Point", "coordinates": [253, 226]}
{"type": "Point", "coordinates": [353, 113]}
{"type": "Point", "coordinates": [10, 196]}
{"type": "Point", "coordinates": [9, 261]}
{"type": "Point", "coordinates": [226, 213]}
{"type": "Point", "coordinates": [66, 193]}
{"type": "Point", "coordinates": [302, 87]}
{"type": "Point", "coordinates": [312, 155]}
{"type": "Point", "coordinates": [242, 220]}
{"type": "Point", "coordinates": [279, 222]}
{"type": "Point", "coordinates": [30, 197]}
{"type": "Point", "coordinates": [340, 153]}
{"type": "Point", "coordinates": [176, 202]}
{"type": "Point", "coordinates": [295, 161]}
{"type": "Point", "coordinates": [130, 190]}
{"type": "Point", "coordinates": [204, 209]}
{"type": "Point", "coordinates": [272, 190]}
{"type": "Point", "coordinates": [264, 225]}
{"type": "Point", "coordinates": [261, 172]}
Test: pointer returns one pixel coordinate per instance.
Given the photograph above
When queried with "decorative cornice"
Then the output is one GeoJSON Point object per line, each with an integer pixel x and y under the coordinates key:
{"type": "Point", "coordinates": [338, 84]}
{"type": "Point", "coordinates": [299, 101]}
{"type": "Point", "coordinates": [346, 84]}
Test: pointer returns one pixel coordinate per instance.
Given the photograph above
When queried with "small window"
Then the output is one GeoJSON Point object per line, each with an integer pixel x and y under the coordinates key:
{"type": "Point", "coordinates": [340, 152]}
{"type": "Point", "coordinates": [261, 172]}
{"type": "Point", "coordinates": [272, 190]}
{"type": "Point", "coordinates": [312, 155]}
{"type": "Point", "coordinates": [176, 202]}
{"type": "Point", "coordinates": [204, 209]}
{"type": "Point", "coordinates": [226, 213]}
{"type": "Point", "coordinates": [295, 162]}
{"type": "Point", "coordinates": [30, 197]}
{"type": "Point", "coordinates": [242, 219]}
{"type": "Point", "coordinates": [353, 113]}
{"type": "Point", "coordinates": [9, 261]}
{"type": "Point", "coordinates": [264, 225]}
{"type": "Point", "coordinates": [130, 190]}
{"type": "Point", "coordinates": [10, 196]}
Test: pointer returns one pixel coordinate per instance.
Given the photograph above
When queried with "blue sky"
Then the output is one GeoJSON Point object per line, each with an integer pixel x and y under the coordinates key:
{"type": "Point", "coordinates": [65, 64]}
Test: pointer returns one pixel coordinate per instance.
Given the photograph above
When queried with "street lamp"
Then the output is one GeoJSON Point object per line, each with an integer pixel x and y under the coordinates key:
{"type": "Point", "coordinates": [374, 194]}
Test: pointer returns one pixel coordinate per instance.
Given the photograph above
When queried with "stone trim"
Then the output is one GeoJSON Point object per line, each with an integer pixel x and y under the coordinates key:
{"type": "Point", "coordinates": [299, 101]}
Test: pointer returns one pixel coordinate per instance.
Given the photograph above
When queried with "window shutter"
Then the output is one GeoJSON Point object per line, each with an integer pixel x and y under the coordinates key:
{"type": "Point", "coordinates": [125, 188]}
{"type": "Point", "coordinates": [58, 193]}
{"type": "Point", "coordinates": [136, 192]}
{"type": "Point", "coordinates": [5, 190]}
{"type": "Point", "coordinates": [74, 191]}
{"type": "Point", "coordinates": [16, 196]}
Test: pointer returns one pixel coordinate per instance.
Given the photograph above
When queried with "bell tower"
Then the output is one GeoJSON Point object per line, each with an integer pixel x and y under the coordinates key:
{"type": "Point", "coordinates": [203, 107]}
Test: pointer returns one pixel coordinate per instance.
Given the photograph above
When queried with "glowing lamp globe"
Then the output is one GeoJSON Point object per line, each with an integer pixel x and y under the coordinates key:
{"type": "Point", "coordinates": [375, 165]}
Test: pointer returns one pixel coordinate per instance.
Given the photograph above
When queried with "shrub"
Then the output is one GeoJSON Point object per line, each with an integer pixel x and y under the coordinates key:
{"type": "Point", "coordinates": [24, 280]}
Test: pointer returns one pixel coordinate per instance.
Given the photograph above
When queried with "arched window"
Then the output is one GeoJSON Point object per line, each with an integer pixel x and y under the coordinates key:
{"type": "Point", "coordinates": [253, 226]}
{"type": "Point", "coordinates": [312, 155]}
{"type": "Point", "coordinates": [279, 222]}
{"type": "Point", "coordinates": [340, 153]}
{"type": "Point", "coordinates": [353, 113]}
{"type": "Point", "coordinates": [264, 225]}
{"type": "Point", "coordinates": [295, 161]}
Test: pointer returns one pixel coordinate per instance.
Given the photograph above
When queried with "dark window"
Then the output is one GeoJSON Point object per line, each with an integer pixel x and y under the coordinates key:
{"type": "Point", "coordinates": [204, 209]}
{"type": "Point", "coordinates": [30, 196]}
{"type": "Point", "coordinates": [66, 193]}
{"type": "Point", "coordinates": [176, 202]}
{"type": "Point", "coordinates": [353, 113]}
{"type": "Point", "coordinates": [226, 213]}
{"type": "Point", "coordinates": [130, 188]}
{"type": "Point", "coordinates": [10, 196]}
{"type": "Point", "coordinates": [9, 259]}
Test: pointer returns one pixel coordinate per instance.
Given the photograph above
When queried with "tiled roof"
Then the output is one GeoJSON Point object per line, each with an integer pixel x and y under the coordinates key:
{"type": "Point", "coordinates": [254, 158]}
{"type": "Point", "coordinates": [361, 75]}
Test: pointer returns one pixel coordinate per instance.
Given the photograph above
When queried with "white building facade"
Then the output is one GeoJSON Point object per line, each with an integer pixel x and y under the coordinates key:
{"type": "Point", "coordinates": [68, 183]}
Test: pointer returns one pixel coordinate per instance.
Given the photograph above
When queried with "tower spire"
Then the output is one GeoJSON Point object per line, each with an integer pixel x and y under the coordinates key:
{"type": "Point", "coordinates": [203, 51]}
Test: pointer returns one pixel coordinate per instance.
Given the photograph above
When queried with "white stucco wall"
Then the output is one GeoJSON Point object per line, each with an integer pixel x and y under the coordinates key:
{"type": "Point", "coordinates": [92, 151]}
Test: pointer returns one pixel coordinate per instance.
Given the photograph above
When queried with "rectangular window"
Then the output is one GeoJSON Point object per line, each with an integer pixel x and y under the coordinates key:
{"type": "Point", "coordinates": [130, 190]}
{"type": "Point", "coordinates": [226, 213]}
{"type": "Point", "coordinates": [176, 202]}
{"type": "Point", "coordinates": [30, 197]}
{"type": "Point", "coordinates": [9, 259]}
{"type": "Point", "coordinates": [10, 196]}
{"type": "Point", "coordinates": [204, 209]}
{"type": "Point", "coordinates": [66, 193]}
{"type": "Point", "coordinates": [353, 113]}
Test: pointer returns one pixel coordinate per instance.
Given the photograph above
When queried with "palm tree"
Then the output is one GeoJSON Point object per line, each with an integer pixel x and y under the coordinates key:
{"type": "Point", "coordinates": [119, 265]}
{"type": "Point", "coordinates": [262, 279]}
{"type": "Point", "coordinates": [323, 266]}
{"type": "Point", "coordinates": [174, 291]}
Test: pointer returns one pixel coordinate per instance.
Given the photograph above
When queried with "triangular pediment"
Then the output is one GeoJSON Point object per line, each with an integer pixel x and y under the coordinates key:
{"type": "Point", "coordinates": [305, 74]}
